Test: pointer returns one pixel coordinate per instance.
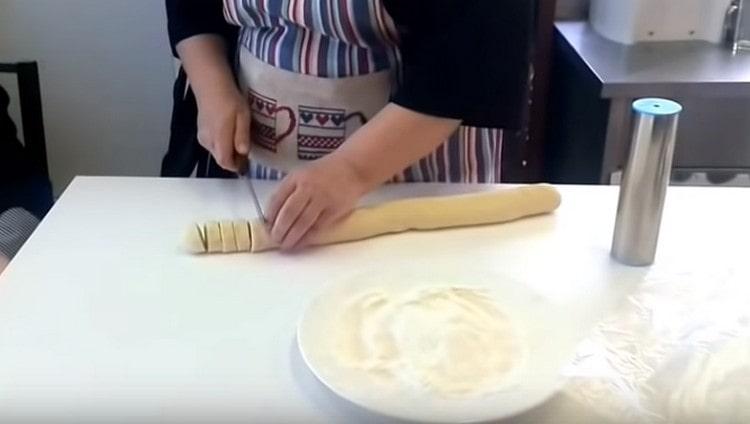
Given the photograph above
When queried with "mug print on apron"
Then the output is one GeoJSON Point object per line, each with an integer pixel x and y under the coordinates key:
{"type": "Point", "coordinates": [297, 118]}
{"type": "Point", "coordinates": [319, 130]}
{"type": "Point", "coordinates": [263, 122]}
{"type": "Point", "coordinates": [322, 130]}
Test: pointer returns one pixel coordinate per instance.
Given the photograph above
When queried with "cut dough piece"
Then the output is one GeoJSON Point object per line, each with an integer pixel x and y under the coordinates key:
{"type": "Point", "coordinates": [195, 240]}
{"type": "Point", "coordinates": [228, 243]}
{"type": "Point", "coordinates": [213, 237]}
{"type": "Point", "coordinates": [242, 235]}
{"type": "Point", "coordinates": [223, 237]}
{"type": "Point", "coordinates": [428, 213]}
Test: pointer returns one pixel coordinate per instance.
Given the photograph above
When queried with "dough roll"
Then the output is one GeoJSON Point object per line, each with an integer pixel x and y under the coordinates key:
{"type": "Point", "coordinates": [428, 213]}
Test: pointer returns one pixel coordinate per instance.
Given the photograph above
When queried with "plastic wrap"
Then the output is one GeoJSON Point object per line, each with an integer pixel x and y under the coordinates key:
{"type": "Point", "coordinates": [678, 351]}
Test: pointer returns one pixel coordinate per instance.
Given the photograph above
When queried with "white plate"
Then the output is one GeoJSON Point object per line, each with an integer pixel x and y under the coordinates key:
{"type": "Point", "coordinates": [542, 326]}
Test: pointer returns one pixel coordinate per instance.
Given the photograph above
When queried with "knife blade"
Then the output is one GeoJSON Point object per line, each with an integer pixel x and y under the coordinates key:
{"type": "Point", "coordinates": [249, 181]}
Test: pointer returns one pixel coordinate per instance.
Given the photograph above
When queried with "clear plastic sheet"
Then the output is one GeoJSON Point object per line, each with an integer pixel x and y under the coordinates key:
{"type": "Point", "coordinates": [677, 351]}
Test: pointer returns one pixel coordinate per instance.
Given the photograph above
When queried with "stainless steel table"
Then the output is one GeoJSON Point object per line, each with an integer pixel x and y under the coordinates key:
{"type": "Point", "coordinates": [621, 73]}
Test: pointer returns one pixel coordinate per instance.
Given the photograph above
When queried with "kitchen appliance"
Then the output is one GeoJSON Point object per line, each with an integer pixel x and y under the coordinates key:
{"type": "Point", "coordinates": [634, 21]}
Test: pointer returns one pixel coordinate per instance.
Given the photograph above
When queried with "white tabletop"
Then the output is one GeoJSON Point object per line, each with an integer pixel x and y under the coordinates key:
{"type": "Point", "coordinates": [103, 318]}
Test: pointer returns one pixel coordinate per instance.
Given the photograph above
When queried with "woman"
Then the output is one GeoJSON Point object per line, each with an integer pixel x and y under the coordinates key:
{"type": "Point", "coordinates": [418, 90]}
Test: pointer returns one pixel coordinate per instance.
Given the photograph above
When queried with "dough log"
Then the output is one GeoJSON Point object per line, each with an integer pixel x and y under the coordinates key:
{"type": "Point", "coordinates": [430, 213]}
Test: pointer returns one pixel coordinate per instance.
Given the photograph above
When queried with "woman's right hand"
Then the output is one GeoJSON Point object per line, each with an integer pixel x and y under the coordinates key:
{"type": "Point", "coordinates": [223, 112]}
{"type": "Point", "coordinates": [224, 127]}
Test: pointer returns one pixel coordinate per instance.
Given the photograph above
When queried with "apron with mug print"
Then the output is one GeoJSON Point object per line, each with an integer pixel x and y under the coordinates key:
{"type": "Point", "coordinates": [314, 72]}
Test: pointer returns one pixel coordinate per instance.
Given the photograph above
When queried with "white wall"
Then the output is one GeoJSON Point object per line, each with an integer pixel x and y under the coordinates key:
{"type": "Point", "coordinates": [106, 75]}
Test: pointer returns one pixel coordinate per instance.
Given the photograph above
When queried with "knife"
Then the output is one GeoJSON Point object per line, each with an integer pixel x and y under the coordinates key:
{"type": "Point", "coordinates": [243, 174]}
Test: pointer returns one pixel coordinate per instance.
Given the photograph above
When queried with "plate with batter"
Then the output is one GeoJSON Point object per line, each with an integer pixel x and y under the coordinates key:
{"type": "Point", "coordinates": [438, 346]}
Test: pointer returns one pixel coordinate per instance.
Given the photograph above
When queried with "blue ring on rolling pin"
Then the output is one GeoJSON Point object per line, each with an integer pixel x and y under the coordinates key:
{"type": "Point", "coordinates": [657, 107]}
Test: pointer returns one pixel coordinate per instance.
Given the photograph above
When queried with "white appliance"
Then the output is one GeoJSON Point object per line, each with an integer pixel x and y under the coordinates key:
{"type": "Point", "coordinates": [634, 21]}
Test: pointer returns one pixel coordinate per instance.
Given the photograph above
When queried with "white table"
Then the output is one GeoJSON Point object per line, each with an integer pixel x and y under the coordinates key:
{"type": "Point", "coordinates": [104, 319]}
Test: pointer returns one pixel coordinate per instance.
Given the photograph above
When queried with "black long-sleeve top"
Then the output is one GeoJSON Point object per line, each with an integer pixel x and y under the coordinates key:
{"type": "Point", "coordinates": [462, 59]}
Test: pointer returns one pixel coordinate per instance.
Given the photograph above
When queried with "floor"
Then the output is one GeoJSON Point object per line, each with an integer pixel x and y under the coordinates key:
{"type": "Point", "coordinates": [701, 179]}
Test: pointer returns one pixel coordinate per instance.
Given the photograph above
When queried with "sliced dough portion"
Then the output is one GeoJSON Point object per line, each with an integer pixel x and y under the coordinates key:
{"type": "Point", "coordinates": [228, 243]}
{"type": "Point", "coordinates": [195, 240]}
{"type": "Point", "coordinates": [242, 235]}
{"type": "Point", "coordinates": [213, 237]}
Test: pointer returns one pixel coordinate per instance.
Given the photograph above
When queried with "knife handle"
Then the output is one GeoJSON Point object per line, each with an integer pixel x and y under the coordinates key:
{"type": "Point", "coordinates": [243, 164]}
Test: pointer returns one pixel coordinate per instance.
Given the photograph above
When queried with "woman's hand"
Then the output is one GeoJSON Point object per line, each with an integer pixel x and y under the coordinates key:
{"type": "Point", "coordinates": [224, 127]}
{"type": "Point", "coordinates": [312, 199]}
{"type": "Point", "coordinates": [223, 113]}
{"type": "Point", "coordinates": [315, 197]}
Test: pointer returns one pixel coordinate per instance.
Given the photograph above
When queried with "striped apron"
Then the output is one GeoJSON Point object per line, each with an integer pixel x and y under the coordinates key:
{"type": "Point", "coordinates": [314, 71]}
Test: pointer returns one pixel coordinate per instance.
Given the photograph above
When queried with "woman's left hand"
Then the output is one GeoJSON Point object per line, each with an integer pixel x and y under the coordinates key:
{"type": "Point", "coordinates": [315, 197]}
{"type": "Point", "coordinates": [312, 199]}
